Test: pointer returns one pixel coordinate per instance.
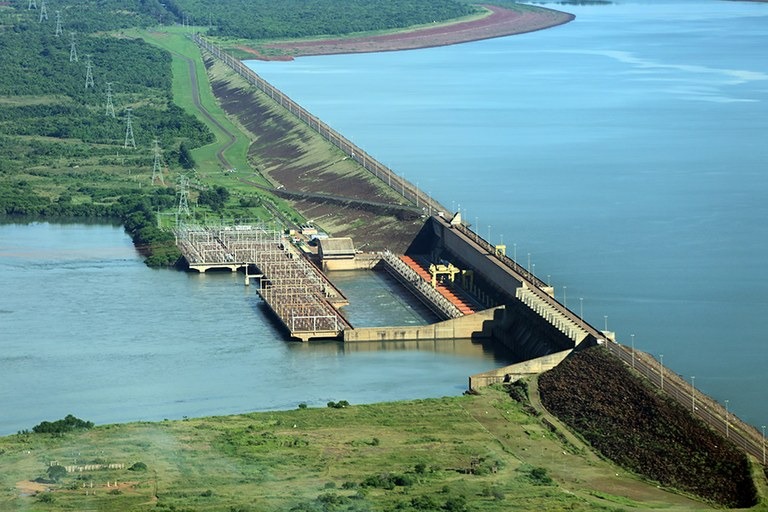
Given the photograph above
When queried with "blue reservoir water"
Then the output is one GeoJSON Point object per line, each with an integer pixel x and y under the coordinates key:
{"type": "Point", "coordinates": [87, 329]}
{"type": "Point", "coordinates": [625, 152]}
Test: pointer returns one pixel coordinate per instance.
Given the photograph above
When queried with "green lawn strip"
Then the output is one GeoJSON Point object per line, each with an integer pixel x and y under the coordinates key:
{"type": "Point", "coordinates": [182, 48]}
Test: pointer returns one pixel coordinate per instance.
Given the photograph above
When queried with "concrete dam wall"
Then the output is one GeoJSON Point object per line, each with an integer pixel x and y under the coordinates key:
{"type": "Point", "coordinates": [526, 318]}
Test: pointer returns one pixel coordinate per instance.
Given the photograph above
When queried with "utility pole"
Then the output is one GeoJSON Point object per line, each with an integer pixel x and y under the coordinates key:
{"type": "Point", "coordinates": [110, 106]}
{"type": "Point", "coordinates": [32, 5]}
{"type": "Point", "coordinates": [183, 197]}
{"type": "Point", "coordinates": [72, 48]}
{"type": "Point", "coordinates": [43, 11]}
{"type": "Point", "coordinates": [157, 166]}
{"type": "Point", "coordinates": [129, 140]}
{"type": "Point", "coordinates": [88, 72]}
{"type": "Point", "coordinates": [58, 31]}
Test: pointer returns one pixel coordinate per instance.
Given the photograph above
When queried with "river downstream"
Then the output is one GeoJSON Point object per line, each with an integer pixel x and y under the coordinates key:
{"type": "Point", "coordinates": [89, 330]}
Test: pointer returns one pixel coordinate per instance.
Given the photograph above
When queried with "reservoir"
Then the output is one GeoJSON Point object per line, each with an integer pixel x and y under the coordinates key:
{"type": "Point", "coordinates": [623, 155]}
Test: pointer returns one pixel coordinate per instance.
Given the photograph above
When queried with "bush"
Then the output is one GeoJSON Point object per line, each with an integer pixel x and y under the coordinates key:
{"type": "Point", "coordinates": [45, 497]}
{"type": "Point", "coordinates": [138, 466]}
{"type": "Point", "coordinates": [56, 472]}
{"type": "Point", "coordinates": [539, 476]}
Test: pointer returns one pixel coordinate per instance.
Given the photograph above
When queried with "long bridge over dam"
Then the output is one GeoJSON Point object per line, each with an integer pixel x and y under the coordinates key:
{"type": "Point", "coordinates": [471, 284]}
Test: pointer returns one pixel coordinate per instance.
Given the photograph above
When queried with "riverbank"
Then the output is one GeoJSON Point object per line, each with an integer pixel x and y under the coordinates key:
{"type": "Point", "coordinates": [498, 22]}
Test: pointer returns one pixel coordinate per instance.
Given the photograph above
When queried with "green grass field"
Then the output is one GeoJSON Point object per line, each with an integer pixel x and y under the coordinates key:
{"type": "Point", "coordinates": [479, 453]}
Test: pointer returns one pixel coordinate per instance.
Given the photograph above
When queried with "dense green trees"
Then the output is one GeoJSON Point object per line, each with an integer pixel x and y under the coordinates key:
{"type": "Point", "coordinates": [69, 424]}
{"type": "Point", "coordinates": [265, 19]}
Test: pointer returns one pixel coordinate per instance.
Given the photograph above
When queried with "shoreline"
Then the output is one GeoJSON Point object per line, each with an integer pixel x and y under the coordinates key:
{"type": "Point", "coordinates": [500, 22]}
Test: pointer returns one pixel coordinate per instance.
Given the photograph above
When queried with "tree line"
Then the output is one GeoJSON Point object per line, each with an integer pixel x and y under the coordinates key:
{"type": "Point", "coordinates": [266, 19]}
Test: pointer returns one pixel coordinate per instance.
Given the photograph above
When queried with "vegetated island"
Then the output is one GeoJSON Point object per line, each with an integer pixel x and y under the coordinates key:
{"type": "Point", "coordinates": [498, 22]}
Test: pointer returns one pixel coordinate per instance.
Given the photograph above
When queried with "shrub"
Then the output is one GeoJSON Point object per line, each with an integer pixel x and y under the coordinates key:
{"type": "Point", "coordinates": [138, 466]}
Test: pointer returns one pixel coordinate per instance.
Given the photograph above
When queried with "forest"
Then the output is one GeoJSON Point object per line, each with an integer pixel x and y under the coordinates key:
{"type": "Point", "coordinates": [62, 153]}
{"type": "Point", "coordinates": [260, 19]}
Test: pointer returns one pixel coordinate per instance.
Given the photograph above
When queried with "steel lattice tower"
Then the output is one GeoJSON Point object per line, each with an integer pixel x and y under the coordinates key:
{"type": "Point", "coordinates": [32, 4]}
{"type": "Point", "coordinates": [129, 140]}
{"type": "Point", "coordinates": [72, 48]}
{"type": "Point", "coordinates": [43, 11]}
{"type": "Point", "coordinates": [88, 72]}
{"type": "Point", "coordinates": [110, 106]}
{"type": "Point", "coordinates": [58, 24]}
{"type": "Point", "coordinates": [157, 166]}
{"type": "Point", "coordinates": [183, 197]}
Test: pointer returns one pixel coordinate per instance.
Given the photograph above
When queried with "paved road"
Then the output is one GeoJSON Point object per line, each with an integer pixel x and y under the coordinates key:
{"type": "Point", "coordinates": [231, 139]}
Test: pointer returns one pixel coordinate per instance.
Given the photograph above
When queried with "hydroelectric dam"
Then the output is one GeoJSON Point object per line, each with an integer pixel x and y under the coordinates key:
{"type": "Point", "coordinates": [472, 285]}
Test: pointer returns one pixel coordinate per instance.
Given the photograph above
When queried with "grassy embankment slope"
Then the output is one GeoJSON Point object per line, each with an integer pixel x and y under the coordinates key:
{"type": "Point", "coordinates": [479, 453]}
{"type": "Point", "coordinates": [271, 143]}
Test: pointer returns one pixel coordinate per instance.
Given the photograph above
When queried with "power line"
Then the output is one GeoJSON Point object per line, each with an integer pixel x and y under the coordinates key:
{"type": "Point", "coordinates": [72, 48]}
{"type": "Point", "coordinates": [183, 188]}
{"type": "Point", "coordinates": [129, 140]}
{"type": "Point", "coordinates": [157, 166]}
{"type": "Point", "coordinates": [110, 106]}
{"type": "Point", "coordinates": [88, 72]}
{"type": "Point", "coordinates": [43, 11]}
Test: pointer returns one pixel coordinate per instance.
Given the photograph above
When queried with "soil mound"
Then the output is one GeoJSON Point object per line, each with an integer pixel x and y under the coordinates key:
{"type": "Point", "coordinates": [632, 424]}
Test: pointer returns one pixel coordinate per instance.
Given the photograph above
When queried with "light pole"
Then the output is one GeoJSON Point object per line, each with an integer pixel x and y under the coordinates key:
{"type": "Point", "coordinates": [533, 272]}
{"type": "Point", "coordinates": [763, 427]}
{"type": "Point", "coordinates": [727, 423]}
{"type": "Point", "coordinates": [606, 322]}
{"type": "Point", "coordinates": [489, 233]}
{"type": "Point", "coordinates": [581, 308]}
{"type": "Point", "coordinates": [565, 297]}
{"type": "Point", "coordinates": [693, 394]}
{"type": "Point", "coordinates": [661, 370]}
{"type": "Point", "coordinates": [514, 253]}
{"type": "Point", "coordinates": [633, 349]}
{"type": "Point", "coordinates": [529, 262]}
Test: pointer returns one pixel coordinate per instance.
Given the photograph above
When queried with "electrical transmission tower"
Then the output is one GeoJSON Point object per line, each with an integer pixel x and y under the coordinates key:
{"type": "Point", "coordinates": [72, 48]}
{"type": "Point", "coordinates": [88, 72]}
{"type": "Point", "coordinates": [110, 106]}
{"type": "Point", "coordinates": [183, 197]}
{"type": "Point", "coordinates": [129, 140]}
{"type": "Point", "coordinates": [58, 24]}
{"type": "Point", "coordinates": [157, 166]}
{"type": "Point", "coordinates": [32, 4]}
{"type": "Point", "coordinates": [43, 11]}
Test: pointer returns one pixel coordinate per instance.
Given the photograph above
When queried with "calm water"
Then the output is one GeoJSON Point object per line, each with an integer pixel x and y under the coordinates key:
{"type": "Point", "coordinates": [626, 152]}
{"type": "Point", "coordinates": [87, 329]}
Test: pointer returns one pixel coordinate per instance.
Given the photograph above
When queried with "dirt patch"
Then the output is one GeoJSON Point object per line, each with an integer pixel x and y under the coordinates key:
{"type": "Point", "coordinates": [498, 23]}
{"type": "Point", "coordinates": [30, 488]}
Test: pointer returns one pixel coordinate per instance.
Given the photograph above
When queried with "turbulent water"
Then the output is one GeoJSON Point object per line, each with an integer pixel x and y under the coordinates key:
{"type": "Point", "coordinates": [623, 153]}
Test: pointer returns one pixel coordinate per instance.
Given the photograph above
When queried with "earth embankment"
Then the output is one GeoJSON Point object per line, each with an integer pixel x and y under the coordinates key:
{"type": "Point", "coordinates": [498, 22]}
